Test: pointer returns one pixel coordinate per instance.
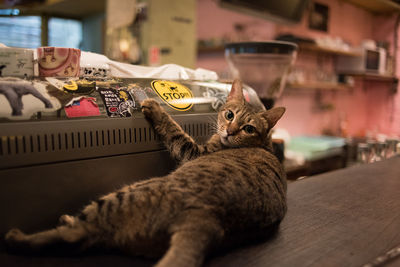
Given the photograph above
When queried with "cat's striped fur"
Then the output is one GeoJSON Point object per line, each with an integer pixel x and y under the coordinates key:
{"type": "Point", "coordinates": [229, 186]}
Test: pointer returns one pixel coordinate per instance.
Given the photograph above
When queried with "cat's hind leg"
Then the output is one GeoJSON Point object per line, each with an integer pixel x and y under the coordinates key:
{"type": "Point", "coordinates": [71, 232]}
{"type": "Point", "coordinates": [191, 241]}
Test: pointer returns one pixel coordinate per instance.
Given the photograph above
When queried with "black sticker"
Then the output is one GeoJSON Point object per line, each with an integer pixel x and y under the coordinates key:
{"type": "Point", "coordinates": [119, 103]}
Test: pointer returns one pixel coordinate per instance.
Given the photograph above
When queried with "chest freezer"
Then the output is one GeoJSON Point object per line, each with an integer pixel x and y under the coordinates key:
{"type": "Point", "coordinates": [66, 142]}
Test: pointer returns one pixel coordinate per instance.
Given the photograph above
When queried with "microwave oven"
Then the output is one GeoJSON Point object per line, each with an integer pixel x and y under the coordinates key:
{"type": "Point", "coordinates": [369, 61]}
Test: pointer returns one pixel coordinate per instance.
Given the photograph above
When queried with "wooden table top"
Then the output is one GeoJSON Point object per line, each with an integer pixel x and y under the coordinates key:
{"type": "Point", "coordinates": [342, 218]}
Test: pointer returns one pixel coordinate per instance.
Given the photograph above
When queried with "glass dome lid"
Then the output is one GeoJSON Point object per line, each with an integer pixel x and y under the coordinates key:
{"type": "Point", "coordinates": [268, 47]}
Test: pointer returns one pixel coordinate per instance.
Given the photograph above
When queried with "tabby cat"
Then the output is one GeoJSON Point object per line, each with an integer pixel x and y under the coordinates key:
{"type": "Point", "coordinates": [231, 185]}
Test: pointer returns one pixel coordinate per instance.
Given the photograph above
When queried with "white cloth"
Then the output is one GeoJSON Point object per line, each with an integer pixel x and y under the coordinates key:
{"type": "Point", "coordinates": [167, 71]}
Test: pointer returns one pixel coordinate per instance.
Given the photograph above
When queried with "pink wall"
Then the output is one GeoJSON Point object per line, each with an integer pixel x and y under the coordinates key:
{"type": "Point", "coordinates": [216, 22]}
{"type": "Point", "coordinates": [349, 22]}
{"type": "Point", "coordinates": [370, 108]}
{"type": "Point", "coordinates": [386, 115]}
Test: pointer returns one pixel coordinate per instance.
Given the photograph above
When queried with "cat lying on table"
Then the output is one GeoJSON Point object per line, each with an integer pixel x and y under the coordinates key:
{"type": "Point", "coordinates": [230, 186]}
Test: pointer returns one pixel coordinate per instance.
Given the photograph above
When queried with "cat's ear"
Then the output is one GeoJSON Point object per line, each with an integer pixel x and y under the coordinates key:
{"type": "Point", "coordinates": [273, 115]}
{"type": "Point", "coordinates": [236, 93]}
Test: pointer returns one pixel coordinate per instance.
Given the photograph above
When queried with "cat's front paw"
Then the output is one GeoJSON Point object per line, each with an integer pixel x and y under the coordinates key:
{"type": "Point", "coordinates": [151, 109]}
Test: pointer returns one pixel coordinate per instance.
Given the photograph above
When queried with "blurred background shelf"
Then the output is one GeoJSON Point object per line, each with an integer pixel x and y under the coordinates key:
{"type": "Point", "coordinates": [377, 6]}
{"type": "Point", "coordinates": [302, 47]}
{"type": "Point", "coordinates": [210, 49]}
{"type": "Point", "coordinates": [373, 77]}
{"type": "Point", "coordinates": [326, 50]}
{"type": "Point", "coordinates": [320, 85]}
{"type": "Point", "coordinates": [342, 86]}
{"type": "Point", "coordinates": [76, 9]}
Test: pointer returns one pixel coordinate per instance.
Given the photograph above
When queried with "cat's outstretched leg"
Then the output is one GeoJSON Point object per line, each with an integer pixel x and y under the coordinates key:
{"type": "Point", "coordinates": [191, 241]}
{"type": "Point", "coordinates": [71, 232]}
{"type": "Point", "coordinates": [181, 146]}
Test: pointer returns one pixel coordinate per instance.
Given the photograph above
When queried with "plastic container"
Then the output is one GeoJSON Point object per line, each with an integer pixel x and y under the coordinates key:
{"type": "Point", "coordinates": [262, 65]}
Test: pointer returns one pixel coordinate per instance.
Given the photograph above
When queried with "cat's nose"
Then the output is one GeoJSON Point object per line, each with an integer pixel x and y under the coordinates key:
{"type": "Point", "coordinates": [232, 129]}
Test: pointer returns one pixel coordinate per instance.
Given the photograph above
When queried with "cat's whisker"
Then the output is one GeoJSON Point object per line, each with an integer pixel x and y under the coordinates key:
{"type": "Point", "coordinates": [214, 129]}
{"type": "Point", "coordinates": [213, 124]}
{"type": "Point", "coordinates": [212, 119]}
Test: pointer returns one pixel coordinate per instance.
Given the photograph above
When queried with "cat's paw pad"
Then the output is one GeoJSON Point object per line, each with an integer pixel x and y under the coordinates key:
{"type": "Point", "coordinates": [67, 220]}
{"type": "Point", "coordinates": [14, 235]}
{"type": "Point", "coordinates": [150, 108]}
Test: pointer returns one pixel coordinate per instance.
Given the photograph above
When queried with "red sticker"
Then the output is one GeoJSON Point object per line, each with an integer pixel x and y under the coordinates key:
{"type": "Point", "coordinates": [85, 107]}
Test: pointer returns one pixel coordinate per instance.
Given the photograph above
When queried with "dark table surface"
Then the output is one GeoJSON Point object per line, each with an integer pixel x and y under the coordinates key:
{"type": "Point", "coordinates": [342, 218]}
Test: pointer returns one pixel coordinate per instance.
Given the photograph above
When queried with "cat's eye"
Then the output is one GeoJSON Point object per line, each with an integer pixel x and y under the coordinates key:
{"type": "Point", "coordinates": [229, 115]}
{"type": "Point", "coordinates": [249, 129]}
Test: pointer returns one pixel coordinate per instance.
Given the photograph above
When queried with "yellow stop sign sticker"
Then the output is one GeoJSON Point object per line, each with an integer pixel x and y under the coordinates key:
{"type": "Point", "coordinates": [176, 95]}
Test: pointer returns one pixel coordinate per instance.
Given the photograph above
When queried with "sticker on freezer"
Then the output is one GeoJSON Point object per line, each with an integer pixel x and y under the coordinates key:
{"type": "Point", "coordinates": [174, 94]}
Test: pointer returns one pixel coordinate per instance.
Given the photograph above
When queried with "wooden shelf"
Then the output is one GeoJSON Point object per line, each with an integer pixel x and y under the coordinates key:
{"type": "Point", "coordinates": [377, 6]}
{"type": "Point", "coordinates": [326, 50]}
{"type": "Point", "coordinates": [75, 9]}
{"type": "Point", "coordinates": [302, 47]}
{"type": "Point", "coordinates": [210, 49]}
{"type": "Point", "coordinates": [373, 77]}
{"type": "Point", "coordinates": [319, 85]}
{"type": "Point", "coordinates": [341, 86]}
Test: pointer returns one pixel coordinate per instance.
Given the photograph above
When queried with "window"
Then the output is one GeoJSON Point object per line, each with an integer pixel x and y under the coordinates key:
{"type": "Point", "coordinates": [25, 31]}
{"type": "Point", "coordinates": [65, 33]}
{"type": "Point", "coordinates": [20, 31]}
